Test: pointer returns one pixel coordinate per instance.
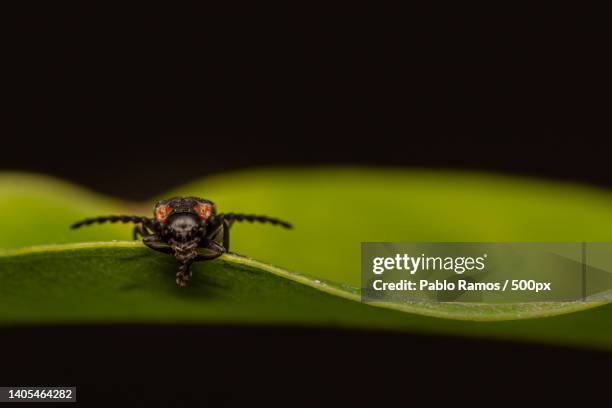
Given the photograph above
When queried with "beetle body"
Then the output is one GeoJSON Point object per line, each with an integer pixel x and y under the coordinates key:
{"type": "Point", "coordinates": [188, 228]}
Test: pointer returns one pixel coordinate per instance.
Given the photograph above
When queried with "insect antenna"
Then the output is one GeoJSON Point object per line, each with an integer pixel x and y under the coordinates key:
{"type": "Point", "coordinates": [253, 218]}
{"type": "Point", "coordinates": [115, 218]}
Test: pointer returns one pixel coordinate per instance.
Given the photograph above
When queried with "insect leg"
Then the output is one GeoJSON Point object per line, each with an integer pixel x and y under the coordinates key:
{"type": "Point", "coordinates": [156, 243]}
{"type": "Point", "coordinates": [220, 234]}
{"type": "Point", "coordinates": [141, 231]}
{"type": "Point", "coordinates": [210, 250]}
{"type": "Point", "coordinates": [226, 234]}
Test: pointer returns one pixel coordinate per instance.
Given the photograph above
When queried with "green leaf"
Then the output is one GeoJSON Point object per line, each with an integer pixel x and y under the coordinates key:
{"type": "Point", "coordinates": [126, 282]}
{"type": "Point", "coordinates": [333, 211]}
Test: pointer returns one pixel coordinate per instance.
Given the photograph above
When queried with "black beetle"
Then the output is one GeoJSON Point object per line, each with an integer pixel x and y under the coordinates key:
{"type": "Point", "coordinates": [187, 227]}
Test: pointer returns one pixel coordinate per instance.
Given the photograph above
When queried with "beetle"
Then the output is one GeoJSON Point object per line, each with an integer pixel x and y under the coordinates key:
{"type": "Point", "coordinates": [188, 228]}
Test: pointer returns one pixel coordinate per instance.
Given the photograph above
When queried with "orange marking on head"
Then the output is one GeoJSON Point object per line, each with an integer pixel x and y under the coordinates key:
{"type": "Point", "coordinates": [162, 213]}
{"type": "Point", "coordinates": [204, 210]}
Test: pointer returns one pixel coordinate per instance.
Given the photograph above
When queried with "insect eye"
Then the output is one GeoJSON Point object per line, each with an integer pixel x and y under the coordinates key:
{"type": "Point", "coordinates": [162, 213]}
{"type": "Point", "coordinates": [204, 210]}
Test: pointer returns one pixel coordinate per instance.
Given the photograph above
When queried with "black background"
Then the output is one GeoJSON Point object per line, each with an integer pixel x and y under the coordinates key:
{"type": "Point", "coordinates": [133, 102]}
